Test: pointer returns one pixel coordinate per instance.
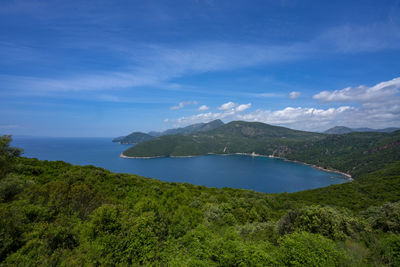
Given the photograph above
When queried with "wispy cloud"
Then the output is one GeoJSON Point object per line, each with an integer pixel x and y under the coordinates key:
{"type": "Point", "coordinates": [266, 95]}
{"type": "Point", "coordinates": [156, 64]}
{"type": "Point", "coordinates": [360, 38]}
{"type": "Point", "coordinates": [183, 104]}
{"type": "Point", "coordinates": [294, 95]}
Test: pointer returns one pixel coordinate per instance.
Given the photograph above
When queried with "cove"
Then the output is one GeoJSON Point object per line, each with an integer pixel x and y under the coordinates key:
{"type": "Point", "coordinates": [261, 174]}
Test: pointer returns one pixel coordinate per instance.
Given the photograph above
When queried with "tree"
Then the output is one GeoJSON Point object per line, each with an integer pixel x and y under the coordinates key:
{"type": "Point", "coordinates": [7, 155]}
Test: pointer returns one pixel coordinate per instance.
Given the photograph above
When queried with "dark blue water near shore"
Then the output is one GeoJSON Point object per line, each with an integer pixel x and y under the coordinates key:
{"type": "Point", "coordinates": [255, 173]}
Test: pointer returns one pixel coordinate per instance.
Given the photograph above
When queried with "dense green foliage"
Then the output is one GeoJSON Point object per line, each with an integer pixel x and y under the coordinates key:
{"type": "Point", "coordinates": [7, 155]}
{"type": "Point", "coordinates": [354, 153]}
{"type": "Point", "coordinates": [54, 213]}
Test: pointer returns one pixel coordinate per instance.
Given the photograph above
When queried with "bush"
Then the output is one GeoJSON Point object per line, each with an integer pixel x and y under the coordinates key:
{"type": "Point", "coordinates": [320, 220]}
{"type": "Point", "coordinates": [391, 249]}
{"type": "Point", "coordinates": [305, 249]}
{"type": "Point", "coordinates": [8, 155]}
{"type": "Point", "coordinates": [10, 186]}
{"type": "Point", "coordinates": [385, 218]}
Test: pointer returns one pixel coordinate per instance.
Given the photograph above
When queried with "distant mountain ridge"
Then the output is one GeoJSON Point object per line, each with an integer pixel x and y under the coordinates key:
{"type": "Point", "coordinates": [198, 127]}
{"type": "Point", "coordinates": [138, 137]}
{"type": "Point", "coordinates": [345, 130]}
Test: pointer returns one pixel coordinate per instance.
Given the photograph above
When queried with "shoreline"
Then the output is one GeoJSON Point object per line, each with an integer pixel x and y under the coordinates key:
{"type": "Point", "coordinates": [345, 175]}
{"type": "Point", "coordinates": [127, 157]}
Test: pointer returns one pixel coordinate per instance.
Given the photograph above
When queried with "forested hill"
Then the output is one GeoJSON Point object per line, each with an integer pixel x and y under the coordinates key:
{"type": "Point", "coordinates": [133, 138]}
{"type": "Point", "coordinates": [234, 137]}
{"type": "Point", "coordinates": [57, 214]}
{"type": "Point", "coordinates": [353, 153]}
{"type": "Point", "coordinates": [194, 128]}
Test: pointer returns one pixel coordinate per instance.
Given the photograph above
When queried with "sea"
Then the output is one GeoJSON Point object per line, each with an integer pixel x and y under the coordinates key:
{"type": "Point", "coordinates": [263, 174]}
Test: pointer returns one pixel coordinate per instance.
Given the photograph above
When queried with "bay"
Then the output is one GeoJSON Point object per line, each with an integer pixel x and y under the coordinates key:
{"type": "Point", "coordinates": [261, 174]}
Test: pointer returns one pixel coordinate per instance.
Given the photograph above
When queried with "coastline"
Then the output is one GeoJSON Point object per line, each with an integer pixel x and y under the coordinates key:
{"type": "Point", "coordinates": [127, 157]}
{"type": "Point", "coordinates": [346, 175]}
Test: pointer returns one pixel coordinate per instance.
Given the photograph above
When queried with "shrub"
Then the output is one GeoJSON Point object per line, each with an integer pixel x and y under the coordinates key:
{"type": "Point", "coordinates": [385, 218]}
{"type": "Point", "coordinates": [320, 220]}
{"type": "Point", "coordinates": [391, 249]}
{"type": "Point", "coordinates": [305, 249]}
{"type": "Point", "coordinates": [10, 186]}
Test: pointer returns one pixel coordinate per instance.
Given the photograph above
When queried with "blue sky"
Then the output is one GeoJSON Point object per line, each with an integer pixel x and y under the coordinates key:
{"type": "Point", "coordinates": [107, 68]}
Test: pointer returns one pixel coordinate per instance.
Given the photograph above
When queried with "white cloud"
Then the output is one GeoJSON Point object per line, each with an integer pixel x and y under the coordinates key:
{"type": "Point", "coordinates": [228, 110]}
{"type": "Point", "coordinates": [294, 95]}
{"type": "Point", "coordinates": [183, 104]}
{"type": "Point", "coordinates": [380, 108]}
{"type": "Point", "coordinates": [203, 108]}
{"type": "Point", "coordinates": [381, 91]}
{"type": "Point", "coordinates": [380, 104]}
{"type": "Point", "coordinates": [243, 107]}
{"type": "Point", "coordinates": [298, 118]}
{"type": "Point", "coordinates": [227, 106]}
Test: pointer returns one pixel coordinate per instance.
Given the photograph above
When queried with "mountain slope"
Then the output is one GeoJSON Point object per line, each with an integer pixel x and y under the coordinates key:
{"type": "Point", "coordinates": [133, 138]}
{"type": "Point", "coordinates": [355, 153]}
{"type": "Point", "coordinates": [194, 128]}
{"type": "Point", "coordinates": [234, 137]}
{"type": "Point", "coordinates": [339, 130]}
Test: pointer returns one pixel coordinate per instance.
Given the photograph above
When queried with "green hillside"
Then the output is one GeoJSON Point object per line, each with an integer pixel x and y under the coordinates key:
{"type": "Point", "coordinates": [339, 130]}
{"type": "Point", "coordinates": [133, 138]}
{"type": "Point", "coordinates": [354, 153]}
{"type": "Point", "coordinates": [234, 137]}
{"type": "Point", "coordinates": [57, 214]}
{"type": "Point", "coordinates": [194, 128]}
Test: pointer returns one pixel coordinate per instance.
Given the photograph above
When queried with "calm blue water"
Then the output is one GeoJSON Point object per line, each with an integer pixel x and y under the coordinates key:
{"type": "Point", "coordinates": [255, 173]}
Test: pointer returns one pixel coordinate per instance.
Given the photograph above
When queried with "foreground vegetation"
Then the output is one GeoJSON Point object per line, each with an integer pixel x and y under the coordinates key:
{"type": "Point", "coordinates": [54, 213]}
